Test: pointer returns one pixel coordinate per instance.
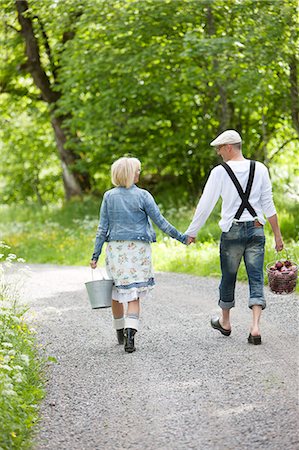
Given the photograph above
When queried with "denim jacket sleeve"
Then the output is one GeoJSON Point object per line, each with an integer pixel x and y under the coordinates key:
{"type": "Point", "coordinates": [153, 211]}
{"type": "Point", "coordinates": [102, 230]}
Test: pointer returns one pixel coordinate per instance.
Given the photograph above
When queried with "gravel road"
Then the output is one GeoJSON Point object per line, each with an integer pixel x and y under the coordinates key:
{"type": "Point", "coordinates": [186, 386]}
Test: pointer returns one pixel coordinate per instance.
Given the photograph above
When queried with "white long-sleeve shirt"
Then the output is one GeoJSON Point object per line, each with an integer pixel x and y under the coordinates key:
{"type": "Point", "coordinates": [220, 184]}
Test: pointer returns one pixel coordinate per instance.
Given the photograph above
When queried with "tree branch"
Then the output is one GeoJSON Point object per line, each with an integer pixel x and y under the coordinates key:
{"type": "Point", "coordinates": [47, 47]}
{"type": "Point", "coordinates": [70, 34]}
{"type": "Point", "coordinates": [282, 146]}
{"type": "Point", "coordinates": [7, 25]}
{"type": "Point", "coordinates": [5, 88]}
{"type": "Point", "coordinates": [294, 92]}
{"type": "Point", "coordinates": [32, 51]}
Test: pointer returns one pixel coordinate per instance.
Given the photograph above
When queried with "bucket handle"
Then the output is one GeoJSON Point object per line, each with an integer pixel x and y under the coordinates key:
{"type": "Point", "coordinates": [101, 273]}
{"type": "Point", "coordinates": [283, 250]}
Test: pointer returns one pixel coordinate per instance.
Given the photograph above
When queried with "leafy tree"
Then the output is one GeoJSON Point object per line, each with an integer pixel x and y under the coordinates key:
{"type": "Point", "coordinates": [157, 79]}
{"type": "Point", "coordinates": [40, 59]}
{"type": "Point", "coordinates": [29, 167]}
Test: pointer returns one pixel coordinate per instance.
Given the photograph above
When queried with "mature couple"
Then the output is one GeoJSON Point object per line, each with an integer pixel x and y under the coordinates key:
{"type": "Point", "coordinates": [126, 210]}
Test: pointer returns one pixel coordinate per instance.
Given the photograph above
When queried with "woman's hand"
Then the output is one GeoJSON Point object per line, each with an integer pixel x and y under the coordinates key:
{"type": "Point", "coordinates": [93, 263]}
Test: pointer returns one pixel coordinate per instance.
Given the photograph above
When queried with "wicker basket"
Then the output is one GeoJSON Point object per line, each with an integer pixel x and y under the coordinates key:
{"type": "Point", "coordinates": [282, 282]}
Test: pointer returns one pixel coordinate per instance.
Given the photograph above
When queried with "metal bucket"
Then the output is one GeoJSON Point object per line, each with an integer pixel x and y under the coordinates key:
{"type": "Point", "coordinates": [99, 292]}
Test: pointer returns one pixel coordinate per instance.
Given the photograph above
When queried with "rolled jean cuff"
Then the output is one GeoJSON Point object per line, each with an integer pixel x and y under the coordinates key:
{"type": "Point", "coordinates": [257, 301]}
{"type": "Point", "coordinates": [131, 322]}
{"type": "Point", "coordinates": [118, 324]}
{"type": "Point", "coordinates": [226, 305]}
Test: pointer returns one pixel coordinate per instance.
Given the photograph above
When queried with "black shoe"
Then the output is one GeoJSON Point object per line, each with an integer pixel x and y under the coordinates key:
{"type": "Point", "coordinates": [129, 340]}
{"type": "Point", "coordinates": [255, 340]}
{"type": "Point", "coordinates": [120, 336]}
{"type": "Point", "coordinates": [217, 326]}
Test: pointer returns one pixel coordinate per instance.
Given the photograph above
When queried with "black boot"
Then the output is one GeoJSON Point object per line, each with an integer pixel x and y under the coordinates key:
{"type": "Point", "coordinates": [129, 340]}
{"type": "Point", "coordinates": [120, 336]}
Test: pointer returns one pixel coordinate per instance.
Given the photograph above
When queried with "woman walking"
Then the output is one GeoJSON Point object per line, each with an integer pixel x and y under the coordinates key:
{"type": "Point", "coordinates": [125, 224]}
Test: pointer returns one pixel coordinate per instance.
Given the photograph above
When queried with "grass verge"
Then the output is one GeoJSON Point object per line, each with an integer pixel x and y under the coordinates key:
{"type": "Point", "coordinates": [65, 235]}
{"type": "Point", "coordinates": [21, 368]}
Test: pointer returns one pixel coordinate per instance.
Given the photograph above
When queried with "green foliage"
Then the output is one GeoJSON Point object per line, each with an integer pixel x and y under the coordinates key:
{"type": "Point", "coordinates": [29, 166]}
{"type": "Point", "coordinates": [21, 367]}
{"type": "Point", "coordinates": [157, 79]}
{"type": "Point", "coordinates": [164, 77]}
{"type": "Point", "coordinates": [65, 235]}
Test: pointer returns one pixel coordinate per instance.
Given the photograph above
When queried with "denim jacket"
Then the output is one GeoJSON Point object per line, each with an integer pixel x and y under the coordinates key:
{"type": "Point", "coordinates": [125, 216]}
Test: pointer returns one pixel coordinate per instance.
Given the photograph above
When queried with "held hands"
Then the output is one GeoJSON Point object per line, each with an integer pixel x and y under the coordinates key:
{"type": "Point", "coordinates": [190, 240]}
{"type": "Point", "coordinates": [93, 263]}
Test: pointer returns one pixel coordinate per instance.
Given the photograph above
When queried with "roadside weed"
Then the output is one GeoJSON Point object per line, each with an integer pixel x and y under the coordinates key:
{"type": "Point", "coordinates": [21, 384]}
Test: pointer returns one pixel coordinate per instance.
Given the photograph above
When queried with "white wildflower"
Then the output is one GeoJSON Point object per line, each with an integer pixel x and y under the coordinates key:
{"type": "Point", "coordinates": [12, 255]}
{"type": "Point", "coordinates": [18, 378]}
{"type": "Point", "coordinates": [6, 367]}
{"type": "Point", "coordinates": [3, 245]}
{"type": "Point", "coordinates": [21, 260]}
{"type": "Point", "coordinates": [7, 344]}
{"type": "Point", "coordinates": [25, 359]}
{"type": "Point", "coordinates": [8, 392]}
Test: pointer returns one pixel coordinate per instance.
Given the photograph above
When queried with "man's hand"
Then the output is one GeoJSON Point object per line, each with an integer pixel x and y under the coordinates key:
{"type": "Point", "coordinates": [277, 234]}
{"type": "Point", "coordinates": [278, 244]}
{"type": "Point", "coordinates": [93, 263]}
{"type": "Point", "coordinates": [190, 240]}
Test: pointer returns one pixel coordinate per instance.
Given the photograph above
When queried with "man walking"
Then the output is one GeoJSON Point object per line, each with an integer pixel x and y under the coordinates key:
{"type": "Point", "coordinates": [246, 192]}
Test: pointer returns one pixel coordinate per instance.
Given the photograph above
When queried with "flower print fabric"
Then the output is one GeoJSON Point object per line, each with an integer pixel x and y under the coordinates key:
{"type": "Point", "coordinates": [129, 264]}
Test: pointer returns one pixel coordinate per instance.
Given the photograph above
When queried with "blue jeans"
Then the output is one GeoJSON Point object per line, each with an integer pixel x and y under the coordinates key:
{"type": "Point", "coordinates": [244, 239]}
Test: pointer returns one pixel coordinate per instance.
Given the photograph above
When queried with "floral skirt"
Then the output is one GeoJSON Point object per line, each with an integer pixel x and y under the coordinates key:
{"type": "Point", "coordinates": [129, 264]}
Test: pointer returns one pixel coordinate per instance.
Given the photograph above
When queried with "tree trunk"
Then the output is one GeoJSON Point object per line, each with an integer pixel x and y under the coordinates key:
{"type": "Point", "coordinates": [294, 93]}
{"type": "Point", "coordinates": [75, 183]}
{"type": "Point", "coordinates": [34, 66]}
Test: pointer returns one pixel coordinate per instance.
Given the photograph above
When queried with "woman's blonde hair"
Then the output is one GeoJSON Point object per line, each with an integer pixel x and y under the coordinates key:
{"type": "Point", "coordinates": [123, 171]}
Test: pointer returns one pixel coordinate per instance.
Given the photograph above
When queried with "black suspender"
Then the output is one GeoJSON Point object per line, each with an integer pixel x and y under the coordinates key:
{"type": "Point", "coordinates": [244, 195]}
